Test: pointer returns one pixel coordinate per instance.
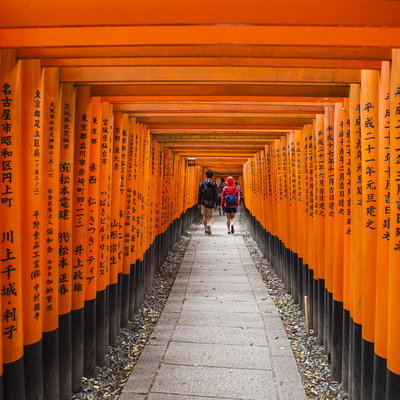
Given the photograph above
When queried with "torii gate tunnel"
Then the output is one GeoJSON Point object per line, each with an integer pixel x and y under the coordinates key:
{"type": "Point", "coordinates": [101, 104]}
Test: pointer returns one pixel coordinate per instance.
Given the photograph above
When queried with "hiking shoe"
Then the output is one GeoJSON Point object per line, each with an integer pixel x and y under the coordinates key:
{"type": "Point", "coordinates": [232, 230]}
{"type": "Point", "coordinates": [209, 229]}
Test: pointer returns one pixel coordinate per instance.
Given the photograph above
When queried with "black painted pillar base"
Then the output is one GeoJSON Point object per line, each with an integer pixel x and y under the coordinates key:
{"type": "Point", "coordinates": [367, 369]}
{"type": "Point", "coordinates": [132, 291]}
{"type": "Point", "coordinates": [392, 386]}
{"type": "Point", "coordinates": [315, 306]}
{"type": "Point", "coordinates": [113, 309]}
{"type": "Point", "coordinates": [89, 338]}
{"type": "Point", "coordinates": [124, 300]}
{"type": "Point", "coordinates": [300, 268]}
{"type": "Point", "coordinates": [141, 287]}
{"type": "Point", "coordinates": [337, 340]}
{"type": "Point", "coordinates": [321, 310]}
{"type": "Point", "coordinates": [380, 370]}
{"type": "Point", "coordinates": [355, 373]}
{"type": "Point", "coordinates": [310, 289]}
{"type": "Point", "coordinates": [328, 323]}
{"type": "Point", "coordinates": [65, 356]}
{"type": "Point", "coordinates": [77, 327]}
{"type": "Point", "coordinates": [1, 388]}
{"type": "Point", "coordinates": [100, 326]}
{"type": "Point", "coordinates": [119, 304]}
{"type": "Point", "coordinates": [345, 350]}
{"type": "Point", "coordinates": [138, 288]}
{"type": "Point", "coordinates": [50, 365]}
{"type": "Point", "coordinates": [14, 381]}
{"type": "Point", "coordinates": [33, 364]}
{"type": "Point", "coordinates": [107, 320]}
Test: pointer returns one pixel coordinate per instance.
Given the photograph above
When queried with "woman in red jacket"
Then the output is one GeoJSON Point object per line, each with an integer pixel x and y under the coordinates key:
{"type": "Point", "coordinates": [230, 200]}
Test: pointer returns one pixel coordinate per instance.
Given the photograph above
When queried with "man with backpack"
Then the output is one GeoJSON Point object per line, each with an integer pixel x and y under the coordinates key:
{"type": "Point", "coordinates": [207, 199]}
{"type": "Point", "coordinates": [230, 200]}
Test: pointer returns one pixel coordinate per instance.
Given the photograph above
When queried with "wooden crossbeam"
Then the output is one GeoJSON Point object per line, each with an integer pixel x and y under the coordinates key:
{"type": "Point", "coordinates": [177, 12]}
{"type": "Point", "coordinates": [203, 107]}
{"type": "Point", "coordinates": [201, 35]}
{"type": "Point", "coordinates": [212, 145]}
{"type": "Point", "coordinates": [208, 74]}
{"type": "Point", "coordinates": [220, 132]}
{"type": "Point", "coordinates": [232, 126]}
{"type": "Point", "coordinates": [212, 61]}
{"type": "Point", "coordinates": [255, 51]}
{"type": "Point", "coordinates": [222, 92]}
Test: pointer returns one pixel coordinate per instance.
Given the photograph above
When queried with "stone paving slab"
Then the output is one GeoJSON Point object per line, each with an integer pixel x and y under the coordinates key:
{"type": "Point", "coordinates": [222, 296]}
{"type": "Point", "coordinates": [220, 306]}
{"type": "Point", "coordinates": [223, 286]}
{"type": "Point", "coordinates": [212, 318]}
{"type": "Point", "coordinates": [220, 335]}
{"type": "Point", "coordinates": [215, 382]}
{"type": "Point", "coordinates": [285, 370]}
{"type": "Point", "coordinates": [145, 370]}
{"type": "Point", "coordinates": [218, 355]}
{"type": "Point", "coordinates": [165, 396]}
{"type": "Point", "coordinates": [223, 276]}
{"type": "Point", "coordinates": [132, 396]}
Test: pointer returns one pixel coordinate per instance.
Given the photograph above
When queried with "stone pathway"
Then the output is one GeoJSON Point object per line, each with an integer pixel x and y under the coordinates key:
{"type": "Point", "coordinates": [220, 335]}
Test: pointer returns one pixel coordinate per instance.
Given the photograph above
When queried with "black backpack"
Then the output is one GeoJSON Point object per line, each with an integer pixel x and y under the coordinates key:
{"type": "Point", "coordinates": [208, 193]}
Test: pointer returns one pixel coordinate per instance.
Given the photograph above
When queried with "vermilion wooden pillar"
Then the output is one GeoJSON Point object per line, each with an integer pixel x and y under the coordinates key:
{"type": "Point", "coordinates": [393, 375]}
{"type": "Point", "coordinates": [79, 238]}
{"type": "Point", "coordinates": [369, 149]}
{"type": "Point", "coordinates": [50, 258]}
{"type": "Point", "coordinates": [10, 242]}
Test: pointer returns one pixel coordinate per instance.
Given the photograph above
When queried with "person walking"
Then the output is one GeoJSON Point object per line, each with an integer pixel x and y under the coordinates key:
{"type": "Point", "coordinates": [230, 200]}
{"type": "Point", "coordinates": [240, 192]}
{"type": "Point", "coordinates": [207, 198]}
{"type": "Point", "coordinates": [220, 186]}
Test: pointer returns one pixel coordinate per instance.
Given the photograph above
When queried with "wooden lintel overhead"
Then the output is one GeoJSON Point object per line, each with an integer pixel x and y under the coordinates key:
{"type": "Point", "coordinates": [243, 107]}
{"type": "Point", "coordinates": [283, 35]}
{"type": "Point", "coordinates": [208, 74]}
{"type": "Point", "coordinates": [233, 126]}
{"type": "Point", "coordinates": [250, 139]}
{"type": "Point", "coordinates": [255, 51]}
{"type": "Point", "coordinates": [223, 91]}
{"type": "Point", "coordinates": [216, 153]}
{"type": "Point", "coordinates": [222, 159]}
{"type": "Point", "coordinates": [238, 115]}
{"type": "Point", "coordinates": [229, 127]}
{"type": "Point", "coordinates": [212, 61]}
{"type": "Point", "coordinates": [262, 121]}
{"type": "Point", "coordinates": [177, 12]}
{"type": "Point", "coordinates": [219, 132]}
{"type": "Point", "coordinates": [212, 145]}
{"type": "Point", "coordinates": [238, 160]}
